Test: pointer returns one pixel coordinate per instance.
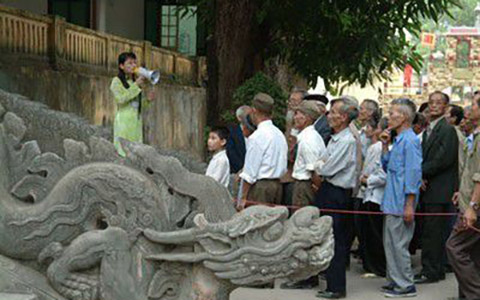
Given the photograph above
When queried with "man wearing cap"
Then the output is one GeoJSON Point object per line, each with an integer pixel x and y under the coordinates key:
{"type": "Point", "coordinates": [309, 149]}
{"type": "Point", "coordinates": [321, 123]}
{"type": "Point", "coordinates": [266, 158]}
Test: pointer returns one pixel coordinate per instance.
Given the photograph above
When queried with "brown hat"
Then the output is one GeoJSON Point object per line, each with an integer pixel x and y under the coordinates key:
{"type": "Point", "coordinates": [310, 109]}
{"type": "Point", "coordinates": [263, 102]}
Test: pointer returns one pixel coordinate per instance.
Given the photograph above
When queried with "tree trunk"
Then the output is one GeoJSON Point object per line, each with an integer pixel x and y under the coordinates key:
{"type": "Point", "coordinates": [232, 53]}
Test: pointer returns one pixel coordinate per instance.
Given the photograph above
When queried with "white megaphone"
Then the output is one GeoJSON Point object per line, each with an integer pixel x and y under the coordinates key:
{"type": "Point", "coordinates": [152, 75]}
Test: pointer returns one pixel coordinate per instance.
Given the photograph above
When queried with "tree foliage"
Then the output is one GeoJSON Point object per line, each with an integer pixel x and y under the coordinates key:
{"type": "Point", "coordinates": [259, 83]}
{"type": "Point", "coordinates": [342, 40]}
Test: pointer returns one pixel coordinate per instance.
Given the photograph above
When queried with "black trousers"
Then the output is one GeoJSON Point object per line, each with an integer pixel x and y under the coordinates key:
{"type": "Point", "coordinates": [433, 241]}
{"type": "Point", "coordinates": [372, 230]}
{"type": "Point", "coordinates": [333, 197]}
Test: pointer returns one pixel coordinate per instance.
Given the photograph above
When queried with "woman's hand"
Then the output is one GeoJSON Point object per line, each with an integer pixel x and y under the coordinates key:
{"type": "Point", "coordinates": [140, 81]}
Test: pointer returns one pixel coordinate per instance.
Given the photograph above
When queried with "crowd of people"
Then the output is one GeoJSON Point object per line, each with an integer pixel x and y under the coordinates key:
{"type": "Point", "coordinates": [350, 158]}
{"type": "Point", "coordinates": [389, 167]}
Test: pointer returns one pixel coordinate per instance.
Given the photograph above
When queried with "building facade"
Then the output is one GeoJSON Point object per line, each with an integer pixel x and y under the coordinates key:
{"type": "Point", "coordinates": [165, 23]}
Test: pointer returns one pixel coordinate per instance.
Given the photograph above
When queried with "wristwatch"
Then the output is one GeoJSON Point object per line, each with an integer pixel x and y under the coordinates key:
{"type": "Point", "coordinates": [475, 206]}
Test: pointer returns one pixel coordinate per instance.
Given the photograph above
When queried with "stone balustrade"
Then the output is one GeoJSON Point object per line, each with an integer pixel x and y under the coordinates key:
{"type": "Point", "coordinates": [63, 44]}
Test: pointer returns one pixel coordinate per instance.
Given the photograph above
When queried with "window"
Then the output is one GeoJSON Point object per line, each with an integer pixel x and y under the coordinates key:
{"type": "Point", "coordinates": [166, 27]}
{"type": "Point", "coordinates": [169, 25]}
{"type": "Point", "coordinates": [463, 53]}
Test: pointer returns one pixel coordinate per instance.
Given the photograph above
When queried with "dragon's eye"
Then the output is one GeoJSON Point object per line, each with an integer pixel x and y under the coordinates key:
{"type": "Point", "coordinates": [274, 232]}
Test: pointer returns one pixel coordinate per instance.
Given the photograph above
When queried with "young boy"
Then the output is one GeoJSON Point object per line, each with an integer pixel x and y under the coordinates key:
{"type": "Point", "coordinates": [219, 166]}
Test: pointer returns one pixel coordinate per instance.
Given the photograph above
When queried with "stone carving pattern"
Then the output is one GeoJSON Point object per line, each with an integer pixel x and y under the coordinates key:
{"type": "Point", "coordinates": [106, 228]}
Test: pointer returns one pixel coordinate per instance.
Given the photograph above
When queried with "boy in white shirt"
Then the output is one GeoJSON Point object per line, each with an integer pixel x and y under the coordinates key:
{"type": "Point", "coordinates": [219, 166]}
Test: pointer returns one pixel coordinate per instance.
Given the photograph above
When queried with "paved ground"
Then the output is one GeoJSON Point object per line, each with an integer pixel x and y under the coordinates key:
{"type": "Point", "coordinates": [357, 289]}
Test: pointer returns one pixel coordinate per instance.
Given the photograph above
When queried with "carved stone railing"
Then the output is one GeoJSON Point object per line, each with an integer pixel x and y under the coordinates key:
{"type": "Point", "coordinates": [85, 47]}
{"type": "Point", "coordinates": [63, 44]}
{"type": "Point", "coordinates": [21, 32]}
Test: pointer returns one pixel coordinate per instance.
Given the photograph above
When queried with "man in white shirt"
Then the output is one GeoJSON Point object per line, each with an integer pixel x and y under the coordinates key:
{"type": "Point", "coordinates": [266, 158]}
{"type": "Point", "coordinates": [309, 149]}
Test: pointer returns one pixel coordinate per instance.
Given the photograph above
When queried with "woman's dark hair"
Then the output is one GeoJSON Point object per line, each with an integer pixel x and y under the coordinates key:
{"type": "Point", "coordinates": [122, 58]}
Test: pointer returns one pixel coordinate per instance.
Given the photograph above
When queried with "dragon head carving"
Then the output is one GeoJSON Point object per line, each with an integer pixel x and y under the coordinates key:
{"type": "Point", "coordinates": [257, 245]}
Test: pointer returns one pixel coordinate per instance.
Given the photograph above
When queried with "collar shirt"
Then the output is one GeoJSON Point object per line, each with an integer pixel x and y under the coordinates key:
{"type": "Point", "coordinates": [420, 136]}
{"type": "Point", "coordinates": [358, 154]}
{"type": "Point", "coordinates": [339, 165]}
{"type": "Point", "coordinates": [322, 127]}
{"type": "Point", "coordinates": [266, 156]}
{"type": "Point", "coordinates": [377, 177]}
{"type": "Point", "coordinates": [219, 168]}
{"type": "Point", "coordinates": [365, 141]}
{"type": "Point", "coordinates": [431, 126]}
{"type": "Point", "coordinates": [469, 141]}
{"type": "Point", "coordinates": [434, 123]}
{"type": "Point", "coordinates": [471, 173]}
{"type": "Point", "coordinates": [403, 164]}
{"type": "Point", "coordinates": [310, 149]}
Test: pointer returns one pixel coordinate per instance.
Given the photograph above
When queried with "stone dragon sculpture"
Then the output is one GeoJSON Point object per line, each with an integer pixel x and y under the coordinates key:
{"type": "Point", "coordinates": [99, 226]}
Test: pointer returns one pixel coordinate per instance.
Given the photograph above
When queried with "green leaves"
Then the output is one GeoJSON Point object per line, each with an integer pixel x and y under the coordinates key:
{"type": "Point", "coordinates": [259, 83]}
{"type": "Point", "coordinates": [352, 41]}
{"type": "Point", "coordinates": [347, 40]}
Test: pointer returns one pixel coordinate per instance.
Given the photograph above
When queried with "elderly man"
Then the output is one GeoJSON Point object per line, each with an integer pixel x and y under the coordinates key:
{"type": "Point", "coordinates": [467, 125]}
{"type": "Point", "coordinates": [464, 241]}
{"type": "Point", "coordinates": [296, 97]}
{"type": "Point", "coordinates": [440, 177]}
{"type": "Point", "coordinates": [310, 148]}
{"type": "Point", "coordinates": [454, 114]}
{"type": "Point", "coordinates": [321, 124]}
{"type": "Point", "coordinates": [403, 164]}
{"type": "Point", "coordinates": [236, 148]}
{"type": "Point", "coordinates": [266, 158]}
{"type": "Point", "coordinates": [368, 108]}
{"type": "Point", "coordinates": [338, 170]}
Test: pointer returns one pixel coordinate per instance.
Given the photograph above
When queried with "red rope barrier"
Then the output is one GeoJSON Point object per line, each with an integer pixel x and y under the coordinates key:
{"type": "Point", "coordinates": [348, 212]}
{"type": "Point", "coordinates": [357, 212]}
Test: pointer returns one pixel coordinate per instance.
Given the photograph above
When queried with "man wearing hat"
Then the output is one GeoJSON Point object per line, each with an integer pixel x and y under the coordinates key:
{"type": "Point", "coordinates": [266, 158]}
{"type": "Point", "coordinates": [309, 149]}
{"type": "Point", "coordinates": [321, 123]}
